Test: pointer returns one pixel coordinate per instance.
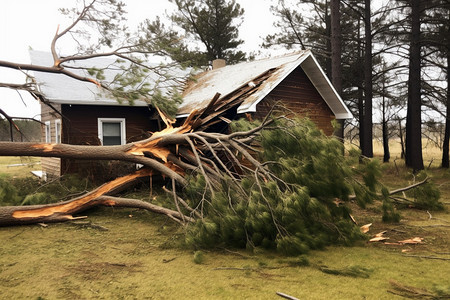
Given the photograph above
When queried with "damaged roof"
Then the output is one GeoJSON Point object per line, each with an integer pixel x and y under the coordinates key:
{"type": "Point", "coordinates": [267, 73]}
{"type": "Point", "coordinates": [228, 79]}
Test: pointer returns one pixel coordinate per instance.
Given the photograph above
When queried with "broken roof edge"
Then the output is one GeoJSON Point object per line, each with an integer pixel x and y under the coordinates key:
{"type": "Point", "coordinates": [251, 107]}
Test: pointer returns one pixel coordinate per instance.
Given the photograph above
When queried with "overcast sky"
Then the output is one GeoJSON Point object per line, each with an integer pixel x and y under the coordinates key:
{"type": "Point", "coordinates": [28, 24]}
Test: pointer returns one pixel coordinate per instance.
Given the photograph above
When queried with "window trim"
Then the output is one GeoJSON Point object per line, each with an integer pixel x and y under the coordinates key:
{"type": "Point", "coordinates": [122, 123]}
{"type": "Point", "coordinates": [48, 132]}
{"type": "Point", "coordinates": [58, 132]}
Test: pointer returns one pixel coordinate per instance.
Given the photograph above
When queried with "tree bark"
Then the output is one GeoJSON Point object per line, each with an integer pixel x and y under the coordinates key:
{"type": "Point", "coordinates": [360, 90]}
{"type": "Point", "coordinates": [367, 149]}
{"type": "Point", "coordinates": [413, 157]}
{"type": "Point", "coordinates": [64, 211]}
{"type": "Point", "coordinates": [385, 133]}
{"type": "Point", "coordinates": [172, 152]}
{"type": "Point", "coordinates": [336, 52]}
{"type": "Point", "coordinates": [445, 146]}
{"type": "Point", "coordinates": [133, 152]}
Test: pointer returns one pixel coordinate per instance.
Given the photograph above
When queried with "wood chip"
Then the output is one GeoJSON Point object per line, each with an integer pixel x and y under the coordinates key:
{"type": "Point", "coordinates": [378, 239]}
{"type": "Point", "coordinates": [380, 233]}
{"type": "Point", "coordinates": [416, 240]}
{"type": "Point", "coordinates": [365, 228]}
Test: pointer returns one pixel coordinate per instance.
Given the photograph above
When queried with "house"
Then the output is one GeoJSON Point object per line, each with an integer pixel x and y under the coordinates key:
{"type": "Point", "coordinates": [82, 113]}
{"type": "Point", "coordinates": [93, 117]}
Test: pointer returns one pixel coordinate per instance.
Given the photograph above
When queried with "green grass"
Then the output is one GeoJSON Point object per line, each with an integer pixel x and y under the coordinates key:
{"type": "Point", "coordinates": [133, 259]}
{"type": "Point", "coordinates": [29, 164]}
{"type": "Point", "coordinates": [138, 258]}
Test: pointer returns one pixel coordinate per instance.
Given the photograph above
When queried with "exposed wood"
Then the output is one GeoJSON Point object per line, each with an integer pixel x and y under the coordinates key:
{"type": "Point", "coordinates": [286, 296]}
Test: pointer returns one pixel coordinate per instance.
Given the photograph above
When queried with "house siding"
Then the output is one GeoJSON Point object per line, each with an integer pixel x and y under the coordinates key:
{"type": "Point", "coordinates": [50, 165]}
{"type": "Point", "coordinates": [299, 95]}
{"type": "Point", "coordinates": [80, 127]}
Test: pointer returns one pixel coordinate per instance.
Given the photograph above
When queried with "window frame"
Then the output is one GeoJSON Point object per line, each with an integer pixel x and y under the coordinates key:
{"type": "Point", "coordinates": [122, 123]}
{"type": "Point", "coordinates": [58, 130]}
{"type": "Point", "coordinates": [48, 132]}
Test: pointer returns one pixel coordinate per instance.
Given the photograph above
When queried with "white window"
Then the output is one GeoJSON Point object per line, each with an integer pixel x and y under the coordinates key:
{"type": "Point", "coordinates": [48, 132]}
{"type": "Point", "coordinates": [111, 131]}
{"type": "Point", "coordinates": [58, 131]}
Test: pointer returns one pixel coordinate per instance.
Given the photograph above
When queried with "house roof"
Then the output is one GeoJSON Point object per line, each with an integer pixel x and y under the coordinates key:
{"type": "Point", "coordinates": [228, 79]}
{"type": "Point", "coordinates": [61, 89]}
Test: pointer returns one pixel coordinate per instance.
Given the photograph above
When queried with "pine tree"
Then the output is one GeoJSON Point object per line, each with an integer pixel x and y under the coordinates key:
{"type": "Point", "coordinates": [214, 24]}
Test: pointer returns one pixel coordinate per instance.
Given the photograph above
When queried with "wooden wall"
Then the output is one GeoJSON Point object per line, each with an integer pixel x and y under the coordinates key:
{"type": "Point", "coordinates": [299, 95]}
{"type": "Point", "coordinates": [80, 127]}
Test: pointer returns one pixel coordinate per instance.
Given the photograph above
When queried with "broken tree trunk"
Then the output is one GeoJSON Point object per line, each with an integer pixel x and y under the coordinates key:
{"type": "Point", "coordinates": [173, 153]}
{"type": "Point", "coordinates": [64, 211]}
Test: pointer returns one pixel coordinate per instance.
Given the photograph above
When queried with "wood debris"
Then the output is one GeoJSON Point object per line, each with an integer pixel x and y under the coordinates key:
{"type": "Point", "coordinates": [379, 237]}
{"type": "Point", "coordinates": [413, 241]}
{"type": "Point", "coordinates": [365, 228]}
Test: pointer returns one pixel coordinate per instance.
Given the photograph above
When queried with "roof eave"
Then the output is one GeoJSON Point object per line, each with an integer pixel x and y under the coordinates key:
{"type": "Point", "coordinates": [325, 88]}
{"type": "Point", "coordinates": [98, 102]}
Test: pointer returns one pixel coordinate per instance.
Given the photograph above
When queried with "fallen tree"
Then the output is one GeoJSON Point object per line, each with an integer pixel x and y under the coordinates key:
{"type": "Point", "coordinates": [172, 153]}
{"type": "Point", "coordinates": [279, 183]}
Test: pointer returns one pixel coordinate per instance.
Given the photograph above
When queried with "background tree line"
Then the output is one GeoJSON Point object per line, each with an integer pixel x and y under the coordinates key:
{"type": "Point", "coordinates": [392, 56]}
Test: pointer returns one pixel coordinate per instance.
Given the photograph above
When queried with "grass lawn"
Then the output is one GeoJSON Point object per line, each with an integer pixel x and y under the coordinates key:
{"type": "Point", "coordinates": [16, 166]}
{"type": "Point", "coordinates": [130, 254]}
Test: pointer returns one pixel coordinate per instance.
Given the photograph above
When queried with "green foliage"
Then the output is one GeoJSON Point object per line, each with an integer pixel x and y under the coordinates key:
{"type": "Point", "coordinates": [30, 191]}
{"type": "Point", "coordinates": [427, 195]}
{"type": "Point", "coordinates": [38, 198]}
{"type": "Point", "coordinates": [292, 215]}
{"type": "Point", "coordinates": [213, 23]}
{"type": "Point", "coordinates": [390, 213]}
{"type": "Point", "coordinates": [298, 210]}
{"type": "Point", "coordinates": [8, 192]}
{"type": "Point", "coordinates": [199, 257]}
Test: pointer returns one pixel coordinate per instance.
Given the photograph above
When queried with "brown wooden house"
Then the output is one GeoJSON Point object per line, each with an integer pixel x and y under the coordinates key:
{"type": "Point", "coordinates": [88, 116]}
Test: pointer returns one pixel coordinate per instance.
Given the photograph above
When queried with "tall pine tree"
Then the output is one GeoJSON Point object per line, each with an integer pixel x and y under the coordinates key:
{"type": "Point", "coordinates": [413, 153]}
{"type": "Point", "coordinates": [214, 24]}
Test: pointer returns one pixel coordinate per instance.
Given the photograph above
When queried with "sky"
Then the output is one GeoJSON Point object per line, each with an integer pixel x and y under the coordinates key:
{"type": "Point", "coordinates": [26, 24]}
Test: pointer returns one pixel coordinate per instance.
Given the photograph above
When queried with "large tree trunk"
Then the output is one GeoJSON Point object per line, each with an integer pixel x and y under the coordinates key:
{"type": "Point", "coordinates": [367, 147]}
{"type": "Point", "coordinates": [413, 153]}
{"type": "Point", "coordinates": [336, 53]}
{"type": "Point", "coordinates": [445, 146]}
{"type": "Point", "coordinates": [385, 133]}
{"type": "Point", "coordinates": [64, 211]}
{"type": "Point", "coordinates": [173, 153]}
{"type": "Point", "coordinates": [360, 89]}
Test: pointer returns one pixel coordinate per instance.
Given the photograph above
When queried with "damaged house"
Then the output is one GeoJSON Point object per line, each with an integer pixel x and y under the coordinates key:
{"type": "Point", "coordinates": [88, 116]}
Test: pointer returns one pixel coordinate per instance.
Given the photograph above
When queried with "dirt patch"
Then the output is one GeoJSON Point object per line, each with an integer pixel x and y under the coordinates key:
{"type": "Point", "coordinates": [100, 270]}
